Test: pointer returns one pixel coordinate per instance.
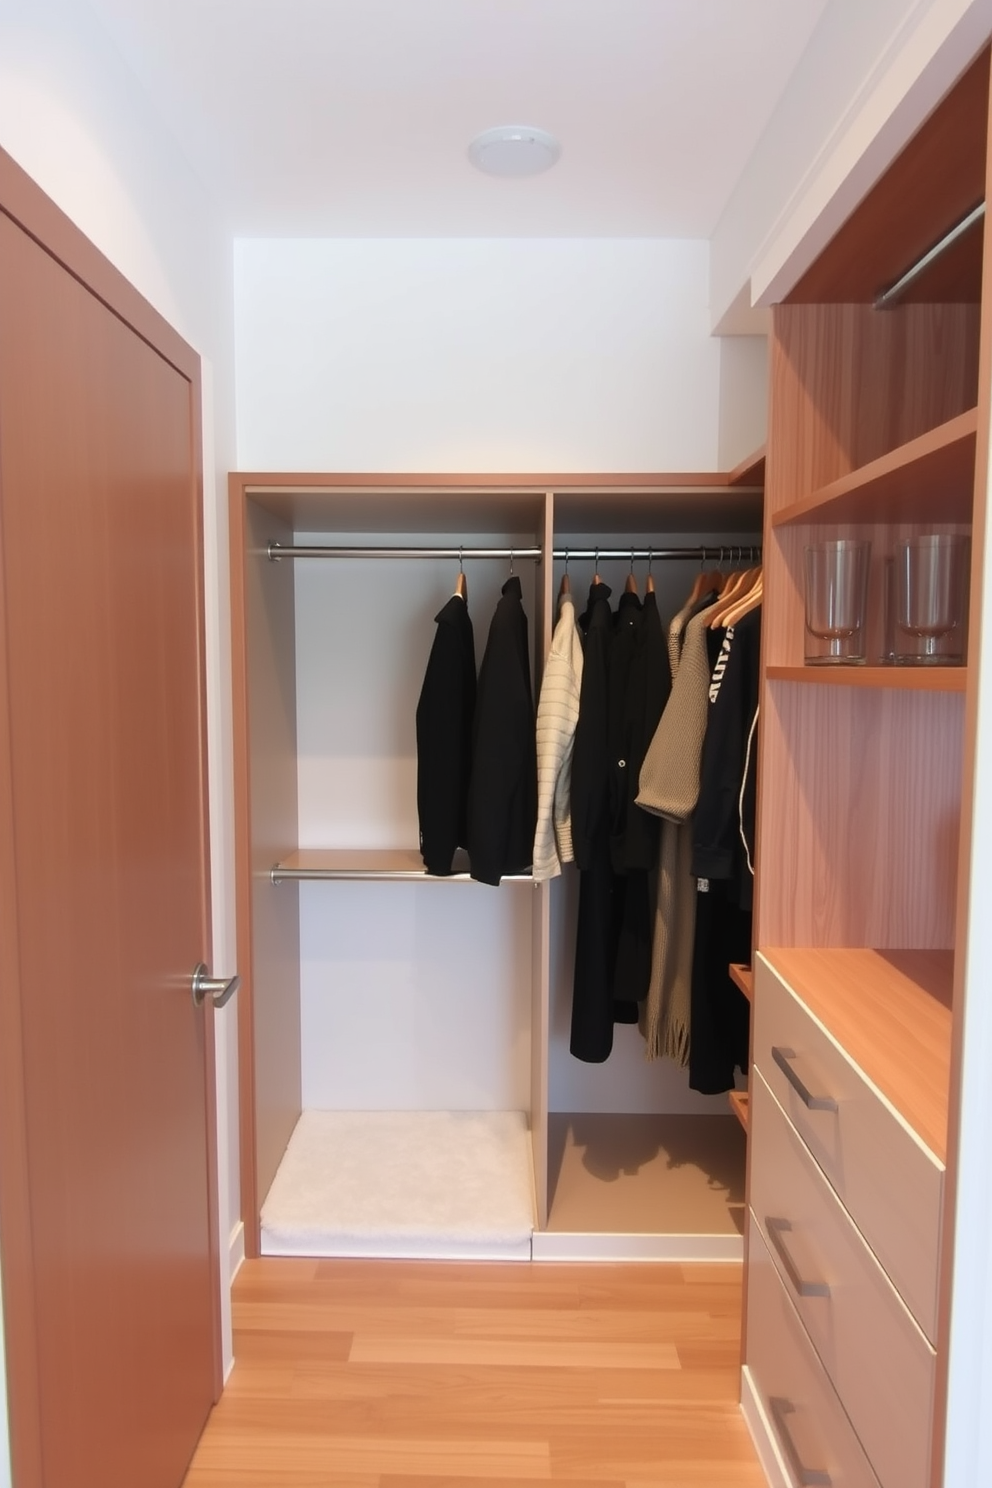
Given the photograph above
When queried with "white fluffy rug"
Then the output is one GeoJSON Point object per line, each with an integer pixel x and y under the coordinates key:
{"type": "Point", "coordinates": [412, 1184]}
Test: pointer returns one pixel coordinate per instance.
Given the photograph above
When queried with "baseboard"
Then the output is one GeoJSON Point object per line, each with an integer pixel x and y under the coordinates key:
{"type": "Point", "coordinates": [762, 1435]}
{"type": "Point", "coordinates": [236, 1250]}
{"type": "Point", "coordinates": [384, 1248]}
{"type": "Point", "coordinates": [550, 1245]}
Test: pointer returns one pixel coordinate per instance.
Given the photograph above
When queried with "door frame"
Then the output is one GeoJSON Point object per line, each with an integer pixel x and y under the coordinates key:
{"type": "Point", "coordinates": [23, 201]}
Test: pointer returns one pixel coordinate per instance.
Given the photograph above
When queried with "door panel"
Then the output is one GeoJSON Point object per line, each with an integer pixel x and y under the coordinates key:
{"type": "Point", "coordinates": [99, 504]}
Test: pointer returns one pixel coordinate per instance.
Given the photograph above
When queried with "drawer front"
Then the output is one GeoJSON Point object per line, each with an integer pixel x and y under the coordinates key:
{"type": "Point", "coordinates": [813, 1434]}
{"type": "Point", "coordinates": [881, 1365]}
{"type": "Point", "coordinates": [889, 1182]}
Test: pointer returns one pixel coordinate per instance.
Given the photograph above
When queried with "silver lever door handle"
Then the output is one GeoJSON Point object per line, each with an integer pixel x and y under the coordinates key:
{"type": "Point", "coordinates": [216, 988]}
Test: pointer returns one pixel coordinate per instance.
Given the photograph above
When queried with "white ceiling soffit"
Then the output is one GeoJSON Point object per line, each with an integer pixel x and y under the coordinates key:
{"type": "Point", "coordinates": [353, 117]}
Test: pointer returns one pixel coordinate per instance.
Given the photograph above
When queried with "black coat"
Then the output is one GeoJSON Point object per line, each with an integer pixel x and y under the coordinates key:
{"type": "Point", "coordinates": [502, 796]}
{"type": "Point", "coordinates": [445, 721]}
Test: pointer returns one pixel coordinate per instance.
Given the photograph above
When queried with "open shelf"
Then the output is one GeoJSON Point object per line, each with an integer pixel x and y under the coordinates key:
{"type": "Point", "coordinates": [896, 678]}
{"type": "Point", "coordinates": [931, 478]}
{"type": "Point", "coordinates": [743, 977]}
{"type": "Point", "coordinates": [891, 1011]}
{"type": "Point", "coordinates": [369, 863]}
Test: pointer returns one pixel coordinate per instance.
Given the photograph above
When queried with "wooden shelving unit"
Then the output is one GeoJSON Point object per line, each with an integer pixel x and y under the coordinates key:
{"type": "Point", "coordinates": [878, 430]}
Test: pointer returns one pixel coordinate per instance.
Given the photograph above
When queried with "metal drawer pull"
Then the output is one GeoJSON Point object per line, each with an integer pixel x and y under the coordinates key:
{"type": "Point", "coordinates": [220, 990]}
{"type": "Point", "coordinates": [806, 1477]}
{"type": "Point", "coordinates": [811, 1101]}
{"type": "Point", "coordinates": [776, 1229]}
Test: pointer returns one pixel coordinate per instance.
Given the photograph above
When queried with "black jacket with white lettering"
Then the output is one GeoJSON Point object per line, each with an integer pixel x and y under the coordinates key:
{"type": "Point", "coordinates": [723, 824]}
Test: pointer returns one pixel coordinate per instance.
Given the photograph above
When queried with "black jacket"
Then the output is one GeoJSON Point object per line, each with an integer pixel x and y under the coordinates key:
{"type": "Point", "coordinates": [445, 719]}
{"type": "Point", "coordinates": [502, 796]}
{"type": "Point", "coordinates": [640, 681]}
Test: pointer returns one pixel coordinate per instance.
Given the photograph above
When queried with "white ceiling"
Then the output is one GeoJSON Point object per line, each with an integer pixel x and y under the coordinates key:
{"type": "Point", "coordinates": [353, 117]}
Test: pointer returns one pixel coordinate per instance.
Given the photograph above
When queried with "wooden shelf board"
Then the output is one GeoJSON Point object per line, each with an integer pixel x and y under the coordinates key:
{"type": "Point", "coordinates": [930, 478]}
{"type": "Point", "coordinates": [891, 1011]}
{"type": "Point", "coordinates": [396, 863]}
{"type": "Point", "coordinates": [739, 1104]}
{"type": "Point", "coordinates": [896, 678]}
{"type": "Point", "coordinates": [508, 505]}
{"type": "Point", "coordinates": [743, 977]}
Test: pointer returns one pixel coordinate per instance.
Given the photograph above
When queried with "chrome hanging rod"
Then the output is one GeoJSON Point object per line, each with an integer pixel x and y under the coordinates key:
{"type": "Point", "coordinates": [729, 552]}
{"type": "Point", "coordinates": [895, 291]}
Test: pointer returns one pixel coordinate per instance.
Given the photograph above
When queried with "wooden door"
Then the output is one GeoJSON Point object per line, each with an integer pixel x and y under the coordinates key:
{"type": "Point", "coordinates": [107, 1195]}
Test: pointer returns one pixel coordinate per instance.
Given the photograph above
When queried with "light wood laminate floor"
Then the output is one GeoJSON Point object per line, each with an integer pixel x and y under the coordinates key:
{"type": "Point", "coordinates": [396, 1374]}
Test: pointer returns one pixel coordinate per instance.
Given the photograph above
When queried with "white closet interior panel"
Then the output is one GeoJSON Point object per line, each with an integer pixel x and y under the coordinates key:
{"type": "Point", "coordinates": [415, 996]}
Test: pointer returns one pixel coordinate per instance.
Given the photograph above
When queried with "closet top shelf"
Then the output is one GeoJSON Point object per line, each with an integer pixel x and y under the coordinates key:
{"type": "Point", "coordinates": [930, 478]}
{"type": "Point", "coordinates": [514, 505]}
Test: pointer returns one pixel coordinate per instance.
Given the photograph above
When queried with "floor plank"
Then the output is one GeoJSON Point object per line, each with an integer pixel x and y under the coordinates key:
{"type": "Point", "coordinates": [382, 1374]}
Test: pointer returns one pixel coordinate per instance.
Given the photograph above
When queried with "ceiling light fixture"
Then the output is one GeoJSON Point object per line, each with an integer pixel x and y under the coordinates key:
{"type": "Point", "coordinates": [514, 150]}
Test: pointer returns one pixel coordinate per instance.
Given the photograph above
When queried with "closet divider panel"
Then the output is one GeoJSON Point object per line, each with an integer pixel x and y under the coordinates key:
{"type": "Point", "coordinates": [266, 824]}
{"type": "Point", "coordinates": [544, 624]}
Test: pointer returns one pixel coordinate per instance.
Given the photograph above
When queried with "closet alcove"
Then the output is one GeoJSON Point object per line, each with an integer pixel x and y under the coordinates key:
{"type": "Point", "coordinates": [437, 1010]}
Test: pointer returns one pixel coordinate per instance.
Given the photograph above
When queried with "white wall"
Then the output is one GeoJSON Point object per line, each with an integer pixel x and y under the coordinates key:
{"type": "Point", "coordinates": [869, 76]}
{"type": "Point", "coordinates": [466, 354]}
{"type": "Point", "coordinates": [73, 117]}
{"type": "Point", "coordinates": [743, 397]}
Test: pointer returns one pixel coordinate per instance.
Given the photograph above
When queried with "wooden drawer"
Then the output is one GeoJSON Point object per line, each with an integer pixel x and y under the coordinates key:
{"type": "Point", "coordinates": [812, 1434]}
{"type": "Point", "coordinates": [881, 1365]}
{"type": "Point", "coordinates": [890, 1183]}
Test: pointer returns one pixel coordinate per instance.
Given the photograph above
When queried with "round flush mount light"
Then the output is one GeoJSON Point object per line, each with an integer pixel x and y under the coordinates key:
{"type": "Point", "coordinates": [514, 150]}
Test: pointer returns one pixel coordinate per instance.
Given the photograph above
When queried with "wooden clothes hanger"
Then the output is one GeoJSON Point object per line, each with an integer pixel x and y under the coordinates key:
{"type": "Point", "coordinates": [738, 587]}
{"type": "Point", "coordinates": [565, 587]}
{"type": "Point", "coordinates": [705, 582]}
{"type": "Point", "coordinates": [461, 583]}
{"type": "Point", "coordinates": [631, 585]}
{"type": "Point", "coordinates": [747, 602]}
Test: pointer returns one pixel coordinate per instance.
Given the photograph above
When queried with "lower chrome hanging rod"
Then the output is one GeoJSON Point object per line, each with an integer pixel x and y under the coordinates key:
{"type": "Point", "coordinates": [727, 553]}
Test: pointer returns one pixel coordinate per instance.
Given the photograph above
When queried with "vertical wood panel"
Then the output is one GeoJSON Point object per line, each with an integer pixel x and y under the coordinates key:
{"type": "Point", "coordinates": [267, 828]}
{"type": "Point", "coordinates": [541, 904]}
{"type": "Point", "coordinates": [860, 838]}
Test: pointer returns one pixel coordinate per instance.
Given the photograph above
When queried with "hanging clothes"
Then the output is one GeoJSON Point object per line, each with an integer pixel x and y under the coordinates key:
{"type": "Point", "coordinates": [591, 1037]}
{"type": "Point", "coordinates": [669, 788]}
{"type": "Point", "coordinates": [723, 858]}
{"type": "Point", "coordinates": [638, 669]}
{"type": "Point", "coordinates": [445, 720]}
{"type": "Point", "coordinates": [621, 701]}
{"type": "Point", "coordinates": [557, 718]}
{"type": "Point", "coordinates": [502, 796]}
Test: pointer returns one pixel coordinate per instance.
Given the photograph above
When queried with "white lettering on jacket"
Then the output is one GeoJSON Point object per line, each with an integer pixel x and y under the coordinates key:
{"type": "Point", "coordinates": [721, 665]}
